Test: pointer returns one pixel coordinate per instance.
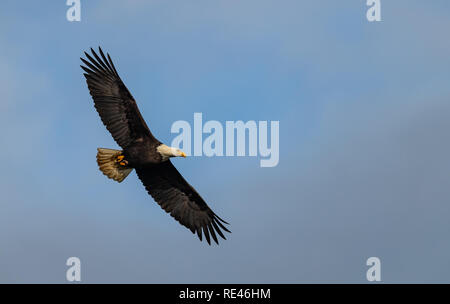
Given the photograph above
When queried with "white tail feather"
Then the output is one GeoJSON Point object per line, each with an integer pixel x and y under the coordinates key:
{"type": "Point", "coordinates": [107, 163]}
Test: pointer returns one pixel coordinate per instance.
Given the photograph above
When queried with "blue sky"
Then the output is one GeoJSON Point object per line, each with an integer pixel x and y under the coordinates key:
{"type": "Point", "coordinates": [364, 143]}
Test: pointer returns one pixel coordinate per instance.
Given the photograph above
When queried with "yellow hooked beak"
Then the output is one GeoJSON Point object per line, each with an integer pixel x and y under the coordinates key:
{"type": "Point", "coordinates": [183, 154]}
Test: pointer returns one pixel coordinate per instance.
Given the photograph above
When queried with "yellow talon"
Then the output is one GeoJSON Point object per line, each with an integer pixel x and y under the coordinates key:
{"type": "Point", "coordinates": [120, 158]}
{"type": "Point", "coordinates": [123, 163]}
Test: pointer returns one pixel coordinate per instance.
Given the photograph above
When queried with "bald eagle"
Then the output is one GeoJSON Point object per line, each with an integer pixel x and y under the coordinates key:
{"type": "Point", "coordinates": [143, 152]}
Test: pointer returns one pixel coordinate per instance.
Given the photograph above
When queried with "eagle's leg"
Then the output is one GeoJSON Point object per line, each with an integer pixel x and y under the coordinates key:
{"type": "Point", "coordinates": [120, 159]}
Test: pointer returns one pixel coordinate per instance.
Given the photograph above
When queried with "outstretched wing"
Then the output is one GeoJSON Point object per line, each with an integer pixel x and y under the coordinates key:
{"type": "Point", "coordinates": [117, 108]}
{"type": "Point", "coordinates": [171, 191]}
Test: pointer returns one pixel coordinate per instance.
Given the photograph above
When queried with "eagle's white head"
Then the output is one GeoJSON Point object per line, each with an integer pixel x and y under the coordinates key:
{"type": "Point", "coordinates": [168, 152]}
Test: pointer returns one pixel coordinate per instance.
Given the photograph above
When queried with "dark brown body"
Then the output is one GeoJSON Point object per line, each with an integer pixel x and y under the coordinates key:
{"type": "Point", "coordinates": [142, 154]}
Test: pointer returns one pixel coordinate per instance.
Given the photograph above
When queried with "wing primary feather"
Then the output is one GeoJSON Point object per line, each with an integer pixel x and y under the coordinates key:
{"type": "Point", "coordinates": [206, 232]}
{"type": "Point", "coordinates": [92, 67]}
{"type": "Point", "coordinates": [199, 233]}
{"type": "Point", "coordinates": [94, 62]}
{"type": "Point", "coordinates": [222, 226]}
{"type": "Point", "coordinates": [213, 233]}
{"type": "Point", "coordinates": [105, 60]}
{"type": "Point", "coordinates": [218, 230]}
{"type": "Point", "coordinates": [91, 74]}
{"type": "Point", "coordinates": [112, 64]}
{"type": "Point", "coordinates": [223, 221]}
{"type": "Point", "coordinates": [88, 72]}
{"type": "Point", "coordinates": [99, 60]}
